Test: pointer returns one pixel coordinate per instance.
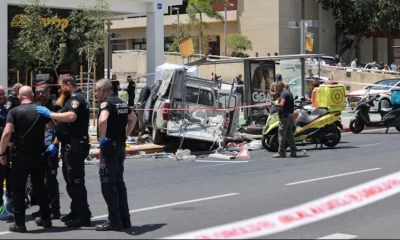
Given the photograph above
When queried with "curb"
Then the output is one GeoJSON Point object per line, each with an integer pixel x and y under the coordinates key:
{"type": "Point", "coordinates": [136, 150]}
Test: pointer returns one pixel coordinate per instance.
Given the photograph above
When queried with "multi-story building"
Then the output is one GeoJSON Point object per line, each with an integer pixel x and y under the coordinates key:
{"type": "Point", "coordinates": [264, 22]}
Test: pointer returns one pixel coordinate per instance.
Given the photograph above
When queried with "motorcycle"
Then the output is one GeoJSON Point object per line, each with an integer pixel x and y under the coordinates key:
{"type": "Point", "coordinates": [316, 127]}
{"type": "Point", "coordinates": [389, 117]}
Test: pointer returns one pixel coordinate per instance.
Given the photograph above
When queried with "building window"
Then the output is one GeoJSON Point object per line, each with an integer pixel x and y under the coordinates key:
{"type": "Point", "coordinates": [118, 45]}
{"type": "Point", "coordinates": [139, 44]}
{"type": "Point", "coordinates": [167, 42]}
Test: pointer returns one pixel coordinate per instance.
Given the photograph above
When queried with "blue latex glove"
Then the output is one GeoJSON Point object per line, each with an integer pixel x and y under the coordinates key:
{"type": "Point", "coordinates": [103, 141]}
{"type": "Point", "coordinates": [53, 149]}
{"type": "Point", "coordinates": [44, 111]}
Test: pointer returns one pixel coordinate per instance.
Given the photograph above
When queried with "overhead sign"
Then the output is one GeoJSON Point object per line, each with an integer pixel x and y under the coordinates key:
{"type": "Point", "coordinates": [62, 23]}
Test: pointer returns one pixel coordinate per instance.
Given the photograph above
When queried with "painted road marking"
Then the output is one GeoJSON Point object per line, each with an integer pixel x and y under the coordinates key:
{"type": "Point", "coordinates": [372, 144]}
{"type": "Point", "coordinates": [216, 161]}
{"type": "Point", "coordinates": [339, 236]}
{"type": "Point", "coordinates": [173, 204]}
{"type": "Point", "coordinates": [333, 176]}
{"type": "Point", "coordinates": [215, 165]}
{"type": "Point", "coordinates": [161, 206]}
{"type": "Point", "coordinates": [370, 130]}
{"type": "Point", "coordinates": [310, 212]}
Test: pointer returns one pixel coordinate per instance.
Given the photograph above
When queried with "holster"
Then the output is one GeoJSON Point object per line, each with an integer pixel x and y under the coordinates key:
{"type": "Point", "coordinates": [80, 146]}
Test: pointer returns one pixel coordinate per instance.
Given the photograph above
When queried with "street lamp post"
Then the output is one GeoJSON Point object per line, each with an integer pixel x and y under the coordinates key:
{"type": "Point", "coordinates": [302, 48]}
{"type": "Point", "coordinates": [109, 51]}
{"type": "Point", "coordinates": [177, 26]}
{"type": "Point", "coordinates": [225, 23]}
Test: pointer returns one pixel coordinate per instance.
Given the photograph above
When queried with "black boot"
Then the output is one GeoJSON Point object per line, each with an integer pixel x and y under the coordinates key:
{"type": "Point", "coordinates": [17, 228]}
{"type": "Point", "coordinates": [107, 226]}
{"type": "Point", "coordinates": [79, 222]}
{"type": "Point", "coordinates": [36, 214]}
{"type": "Point", "coordinates": [68, 217]}
{"type": "Point", "coordinates": [126, 225]}
{"type": "Point", "coordinates": [43, 223]}
{"type": "Point", "coordinates": [55, 215]}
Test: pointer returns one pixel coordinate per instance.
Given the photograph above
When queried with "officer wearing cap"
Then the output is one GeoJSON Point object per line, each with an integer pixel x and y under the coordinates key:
{"type": "Point", "coordinates": [273, 91]}
{"type": "Point", "coordinates": [72, 131]}
{"type": "Point", "coordinates": [115, 122]}
{"type": "Point", "coordinates": [43, 97]}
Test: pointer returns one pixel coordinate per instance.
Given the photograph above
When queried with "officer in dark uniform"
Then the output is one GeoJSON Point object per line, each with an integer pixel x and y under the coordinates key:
{"type": "Point", "coordinates": [4, 170]}
{"type": "Point", "coordinates": [42, 94]}
{"type": "Point", "coordinates": [12, 99]}
{"type": "Point", "coordinates": [72, 131]}
{"type": "Point", "coordinates": [115, 122]}
{"type": "Point", "coordinates": [29, 144]}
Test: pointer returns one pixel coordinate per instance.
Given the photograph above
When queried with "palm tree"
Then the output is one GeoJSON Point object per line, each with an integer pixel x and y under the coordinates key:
{"type": "Point", "coordinates": [203, 7]}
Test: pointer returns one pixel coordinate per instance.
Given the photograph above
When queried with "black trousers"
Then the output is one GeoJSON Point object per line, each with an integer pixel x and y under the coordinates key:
{"type": "Point", "coordinates": [28, 163]}
{"type": "Point", "coordinates": [73, 169]}
{"type": "Point", "coordinates": [51, 184]}
{"type": "Point", "coordinates": [5, 175]}
{"type": "Point", "coordinates": [111, 172]}
{"type": "Point", "coordinates": [131, 100]}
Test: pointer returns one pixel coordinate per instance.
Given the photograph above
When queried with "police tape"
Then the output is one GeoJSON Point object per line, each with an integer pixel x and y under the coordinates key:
{"type": "Point", "coordinates": [303, 214]}
{"type": "Point", "coordinates": [85, 83]}
{"type": "Point", "coordinates": [208, 108]}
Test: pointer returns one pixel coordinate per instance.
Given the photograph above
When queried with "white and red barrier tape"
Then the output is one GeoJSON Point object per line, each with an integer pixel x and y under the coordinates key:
{"type": "Point", "coordinates": [307, 213]}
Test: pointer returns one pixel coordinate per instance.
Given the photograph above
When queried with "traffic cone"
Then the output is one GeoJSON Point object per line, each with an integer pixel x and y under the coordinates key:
{"type": "Point", "coordinates": [4, 210]}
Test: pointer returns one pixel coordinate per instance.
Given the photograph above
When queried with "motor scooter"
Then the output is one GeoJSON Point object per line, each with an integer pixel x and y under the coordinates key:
{"type": "Point", "coordinates": [318, 127]}
{"type": "Point", "coordinates": [389, 117]}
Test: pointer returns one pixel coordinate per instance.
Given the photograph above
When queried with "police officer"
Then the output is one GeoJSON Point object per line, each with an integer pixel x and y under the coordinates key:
{"type": "Point", "coordinates": [72, 131]}
{"type": "Point", "coordinates": [4, 170]}
{"type": "Point", "coordinates": [42, 94]}
{"type": "Point", "coordinates": [12, 99]}
{"type": "Point", "coordinates": [29, 127]}
{"type": "Point", "coordinates": [115, 122]}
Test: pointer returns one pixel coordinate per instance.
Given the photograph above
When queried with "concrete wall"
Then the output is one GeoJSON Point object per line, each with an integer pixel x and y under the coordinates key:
{"type": "Point", "coordinates": [134, 63]}
{"type": "Point", "coordinates": [358, 79]}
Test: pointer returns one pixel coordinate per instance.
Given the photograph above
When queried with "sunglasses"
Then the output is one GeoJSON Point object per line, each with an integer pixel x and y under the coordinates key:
{"type": "Point", "coordinates": [40, 92]}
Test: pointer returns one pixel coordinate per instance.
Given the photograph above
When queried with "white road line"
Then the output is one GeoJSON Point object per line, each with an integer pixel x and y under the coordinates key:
{"type": "Point", "coordinates": [215, 165]}
{"type": "Point", "coordinates": [216, 161]}
{"type": "Point", "coordinates": [160, 206]}
{"type": "Point", "coordinates": [339, 236]}
{"type": "Point", "coordinates": [173, 204]}
{"type": "Point", "coordinates": [370, 130]}
{"type": "Point", "coordinates": [372, 144]}
{"type": "Point", "coordinates": [333, 176]}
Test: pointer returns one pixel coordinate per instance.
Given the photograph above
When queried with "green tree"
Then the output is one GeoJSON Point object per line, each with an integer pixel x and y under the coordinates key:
{"type": "Point", "coordinates": [239, 43]}
{"type": "Point", "coordinates": [200, 8]}
{"type": "Point", "coordinates": [41, 39]}
{"type": "Point", "coordinates": [88, 29]}
{"type": "Point", "coordinates": [21, 57]}
{"type": "Point", "coordinates": [186, 29]}
{"type": "Point", "coordinates": [361, 18]}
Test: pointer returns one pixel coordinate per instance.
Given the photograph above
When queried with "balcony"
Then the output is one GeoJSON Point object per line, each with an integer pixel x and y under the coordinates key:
{"type": "Point", "coordinates": [140, 22]}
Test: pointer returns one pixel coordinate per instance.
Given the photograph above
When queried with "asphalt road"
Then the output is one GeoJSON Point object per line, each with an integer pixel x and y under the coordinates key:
{"type": "Point", "coordinates": [169, 197]}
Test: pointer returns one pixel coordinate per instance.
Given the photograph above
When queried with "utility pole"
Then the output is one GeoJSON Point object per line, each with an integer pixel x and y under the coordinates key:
{"type": "Point", "coordinates": [225, 23]}
{"type": "Point", "coordinates": [302, 47]}
{"type": "Point", "coordinates": [109, 50]}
